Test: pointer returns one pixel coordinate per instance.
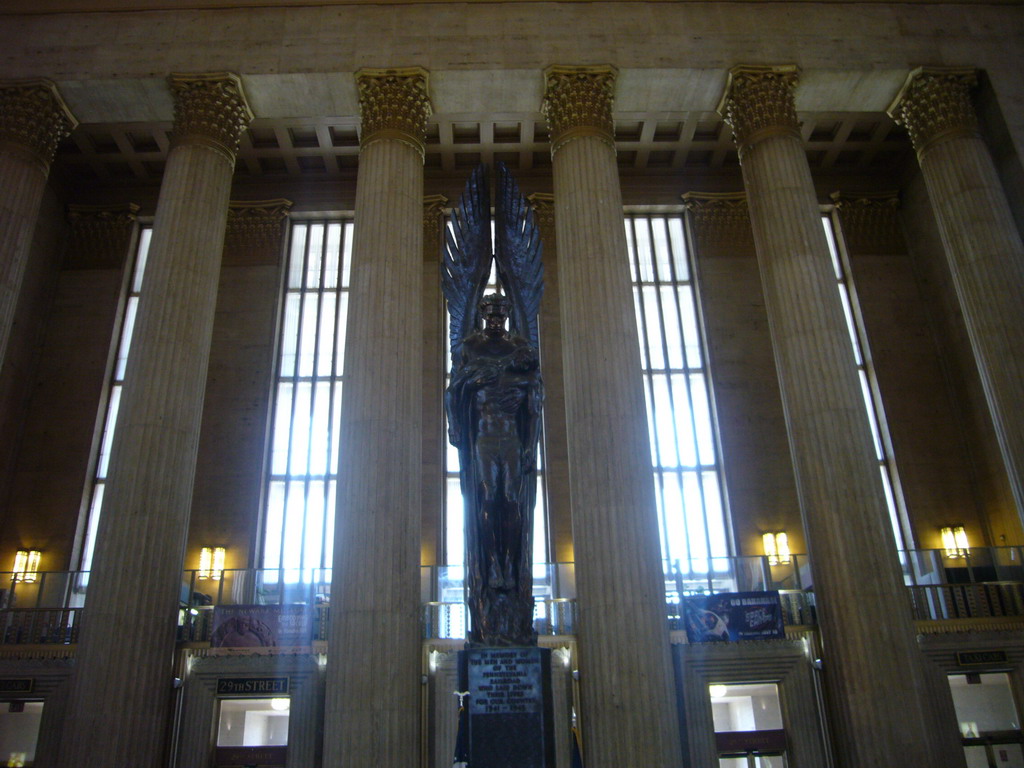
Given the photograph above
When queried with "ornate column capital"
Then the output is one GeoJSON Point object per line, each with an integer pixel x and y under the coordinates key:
{"type": "Point", "coordinates": [543, 204]}
{"type": "Point", "coordinates": [870, 223]}
{"type": "Point", "coordinates": [210, 108]}
{"type": "Point", "coordinates": [100, 235]}
{"type": "Point", "coordinates": [721, 223]}
{"type": "Point", "coordinates": [935, 104]}
{"type": "Point", "coordinates": [394, 104]}
{"type": "Point", "coordinates": [34, 119]}
{"type": "Point", "coordinates": [758, 103]}
{"type": "Point", "coordinates": [578, 102]}
{"type": "Point", "coordinates": [253, 234]}
{"type": "Point", "coordinates": [433, 219]}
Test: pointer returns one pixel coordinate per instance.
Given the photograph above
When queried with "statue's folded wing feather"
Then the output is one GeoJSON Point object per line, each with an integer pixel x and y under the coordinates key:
{"type": "Point", "coordinates": [518, 255]}
{"type": "Point", "coordinates": [466, 261]}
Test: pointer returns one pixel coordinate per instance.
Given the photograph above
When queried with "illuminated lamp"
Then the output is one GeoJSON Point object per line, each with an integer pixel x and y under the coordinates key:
{"type": "Point", "coordinates": [776, 548]}
{"type": "Point", "coordinates": [211, 562]}
{"type": "Point", "coordinates": [26, 565]}
{"type": "Point", "coordinates": [954, 541]}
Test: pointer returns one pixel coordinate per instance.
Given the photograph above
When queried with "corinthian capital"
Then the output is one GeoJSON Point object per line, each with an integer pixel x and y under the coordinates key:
{"type": "Point", "coordinates": [721, 223]}
{"type": "Point", "coordinates": [210, 109]}
{"type": "Point", "coordinates": [100, 235]}
{"type": "Point", "coordinates": [543, 204]}
{"type": "Point", "coordinates": [871, 223]}
{"type": "Point", "coordinates": [578, 102]}
{"type": "Point", "coordinates": [34, 119]}
{"type": "Point", "coordinates": [934, 104]}
{"type": "Point", "coordinates": [758, 102]}
{"type": "Point", "coordinates": [254, 231]}
{"type": "Point", "coordinates": [394, 104]}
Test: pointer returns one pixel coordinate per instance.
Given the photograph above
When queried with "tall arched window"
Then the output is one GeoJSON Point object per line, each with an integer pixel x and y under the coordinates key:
{"type": "Point", "coordinates": [298, 524]}
{"type": "Point", "coordinates": [684, 451]}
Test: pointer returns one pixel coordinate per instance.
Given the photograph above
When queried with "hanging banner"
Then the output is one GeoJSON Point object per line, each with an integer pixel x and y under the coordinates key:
{"type": "Point", "coordinates": [261, 626]}
{"type": "Point", "coordinates": [734, 617]}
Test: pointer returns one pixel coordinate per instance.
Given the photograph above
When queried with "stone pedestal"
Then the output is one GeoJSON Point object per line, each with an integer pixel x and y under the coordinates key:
{"type": "Point", "coordinates": [132, 601]}
{"type": "Point", "coordinates": [33, 121]}
{"type": "Point", "coordinates": [983, 246]}
{"type": "Point", "coordinates": [863, 607]}
{"type": "Point", "coordinates": [509, 715]}
{"type": "Point", "coordinates": [629, 707]}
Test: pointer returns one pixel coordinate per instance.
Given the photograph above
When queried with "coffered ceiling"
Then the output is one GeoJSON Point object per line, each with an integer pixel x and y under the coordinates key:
{"type": "Point", "coordinates": [668, 143]}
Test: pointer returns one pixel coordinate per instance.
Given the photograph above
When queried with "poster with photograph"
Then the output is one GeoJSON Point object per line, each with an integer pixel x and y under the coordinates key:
{"type": "Point", "coordinates": [733, 617]}
{"type": "Point", "coordinates": [261, 626]}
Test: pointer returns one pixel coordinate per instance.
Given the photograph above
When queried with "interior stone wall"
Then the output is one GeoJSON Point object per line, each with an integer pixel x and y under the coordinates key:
{"type": "Point", "coordinates": [990, 497]}
{"type": "Point", "coordinates": [34, 434]}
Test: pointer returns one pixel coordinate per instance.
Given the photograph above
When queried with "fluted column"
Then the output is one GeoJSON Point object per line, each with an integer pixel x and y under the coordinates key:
{"type": "Point", "coordinates": [874, 675]}
{"type": "Point", "coordinates": [33, 121]}
{"type": "Point", "coordinates": [556, 458]}
{"type": "Point", "coordinates": [982, 243]}
{"type": "Point", "coordinates": [629, 707]}
{"type": "Point", "coordinates": [133, 593]}
{"type": "Point", "coordinates": [373, 669]}
{"type": "Point", "coordinates": [432, 386]}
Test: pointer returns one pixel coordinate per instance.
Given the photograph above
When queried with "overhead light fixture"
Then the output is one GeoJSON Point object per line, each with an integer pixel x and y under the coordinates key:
{"type": "Point", "coordinates": [954, 541]}
{"type": "Point", "coordinates": [211, 563]}
{"type": "Point", "coordinates": [776, 548]}
{"type": "Point", "coordinates": [281, 704]}
{"type": "Point", "coordinates": [717, 690]}
{"type": "Point", "coordinates": [26, 565]}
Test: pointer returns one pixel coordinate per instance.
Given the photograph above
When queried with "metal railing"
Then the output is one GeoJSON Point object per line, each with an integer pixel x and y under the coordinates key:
{"type": "Point", "coordinates": [981, 582]}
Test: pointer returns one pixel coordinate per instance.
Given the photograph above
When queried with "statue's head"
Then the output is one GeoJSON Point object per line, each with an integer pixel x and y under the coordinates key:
{"type": "Point", "coordinates": [494, 307]}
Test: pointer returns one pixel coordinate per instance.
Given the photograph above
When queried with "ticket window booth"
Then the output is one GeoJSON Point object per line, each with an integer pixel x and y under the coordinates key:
{"type": "Point", "coordinates": [252, 733]}
{"type": "Point", "coordinates": [749, 732]}
{"type": "Point", "coordinates": [19, 731]}
{"type": "Point", "coordinates": [989, 723]}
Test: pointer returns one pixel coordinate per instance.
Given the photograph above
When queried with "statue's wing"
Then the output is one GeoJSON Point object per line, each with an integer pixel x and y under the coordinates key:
{"type": "Point", "coordinates": [518, 254]}
{"type": "Point", "coordinates": [466, 261]}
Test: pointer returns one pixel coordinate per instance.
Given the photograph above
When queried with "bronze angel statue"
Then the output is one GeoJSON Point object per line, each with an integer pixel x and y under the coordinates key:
{"type": "Point", "coordinates": [494, 400]}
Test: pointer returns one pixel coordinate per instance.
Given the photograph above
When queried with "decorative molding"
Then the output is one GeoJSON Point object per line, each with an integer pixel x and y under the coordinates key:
{"type": "Point", "coordinates": [56, 655]}
{"type": "Point", "coordinates": [721, 224]}
{"type": "Point", "coordinates": [758, 103]}
{"type": "Point", "coordinates": [210, 109]}
{"type": "Point", "coordinates": [935, 104]}
{"type": "Point", "coordinates": [578, 103]}
{"type": "Point", "coordinates": [543, 204]}
{"type": "Point", "coordinates": [433, 220]}
{"type": "Point", "coordinates": [949, 626]}
{"type": "Point", "coordinates": [254, 231]}
{"type": "Point", "coordinates": [394, 104]}
{"type": "Point", "coordinates": [33, 119]}
{"type": "Point", "coordinates": [100, 235]}
{"type": "Point", "coordinates": [871, 224]}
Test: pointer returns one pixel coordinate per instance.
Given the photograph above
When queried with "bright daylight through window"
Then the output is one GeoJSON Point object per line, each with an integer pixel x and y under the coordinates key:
{"type": "Point", "coordinates": [113, 401]}
{"type": "Point", "coordinates": [684, 454]}
{"type": "Point", "coordinates": [298, 530]}
{"type": "Point", "coordinates": [872, 403]}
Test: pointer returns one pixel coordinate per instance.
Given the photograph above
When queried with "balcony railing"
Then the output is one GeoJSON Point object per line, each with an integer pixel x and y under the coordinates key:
{"type": "Point", "coordinates": [983, 582]}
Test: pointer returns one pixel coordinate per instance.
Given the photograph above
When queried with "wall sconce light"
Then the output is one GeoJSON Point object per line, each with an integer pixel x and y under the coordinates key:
{"type": "Point", "coordinates": [776, 547]}
{"type": "Point", "coordinates": [211, 563]}
{"type": "Point", "coordinates": [954, 541]}
{"type": "Point", "coordinates": [26, 565]}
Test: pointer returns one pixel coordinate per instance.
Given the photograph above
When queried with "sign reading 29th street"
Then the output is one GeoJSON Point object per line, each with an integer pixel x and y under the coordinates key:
{"type": "Point", "coordinates": [505, 681]}
{"type": "Point", "coordinates": [248, 686]}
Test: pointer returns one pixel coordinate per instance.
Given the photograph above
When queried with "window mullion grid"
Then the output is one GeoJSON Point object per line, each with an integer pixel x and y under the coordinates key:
{"type": "Point", "coordinates": [648, 374]}
{"type": "Point", "coordinates": [294, 376]}
{"type": "Point", "coordinates": [872, 402]}
{"type": "Point", "coordinates": [686, 371]}
{"type": "Point", "coordinates": [314, 379]}
{"type": "Point", "coordinates": [333, 380]}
